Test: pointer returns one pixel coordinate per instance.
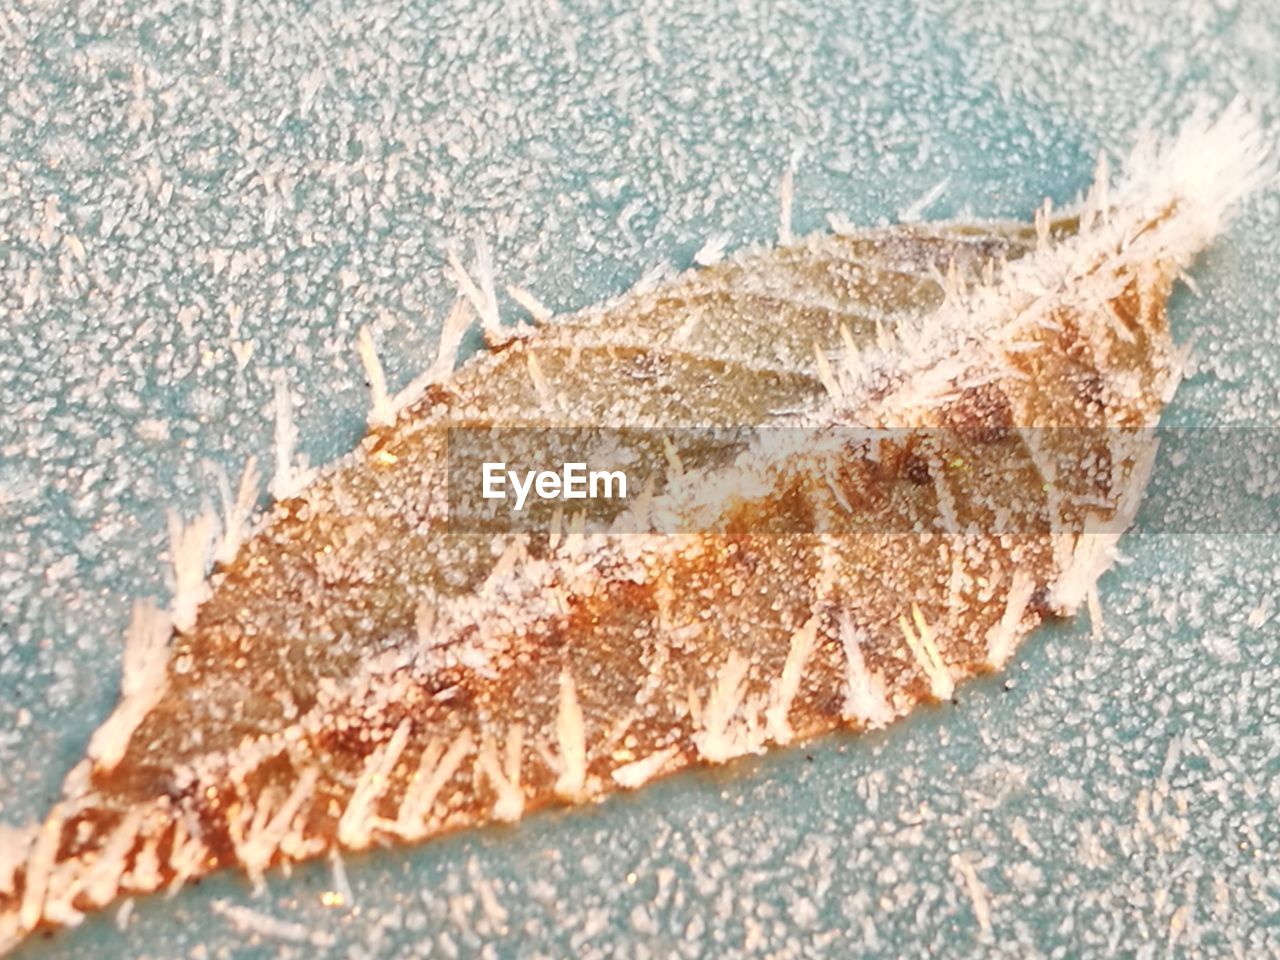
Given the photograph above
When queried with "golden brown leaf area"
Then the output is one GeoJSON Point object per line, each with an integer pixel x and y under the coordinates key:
{"type": "Point", "coordinates": [361, 674]}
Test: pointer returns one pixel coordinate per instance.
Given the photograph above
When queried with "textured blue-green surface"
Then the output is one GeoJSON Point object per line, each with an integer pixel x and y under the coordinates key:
{"type": "Point", "coordinates": [178, 178]}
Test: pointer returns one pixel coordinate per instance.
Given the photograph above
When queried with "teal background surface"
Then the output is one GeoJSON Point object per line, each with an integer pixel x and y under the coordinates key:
{"type": "Point", "coordinates": [179, 182]}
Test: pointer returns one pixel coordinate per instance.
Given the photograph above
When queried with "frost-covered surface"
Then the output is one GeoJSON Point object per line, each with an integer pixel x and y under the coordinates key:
{"type": "Point", "coordinates": [190, 201]}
